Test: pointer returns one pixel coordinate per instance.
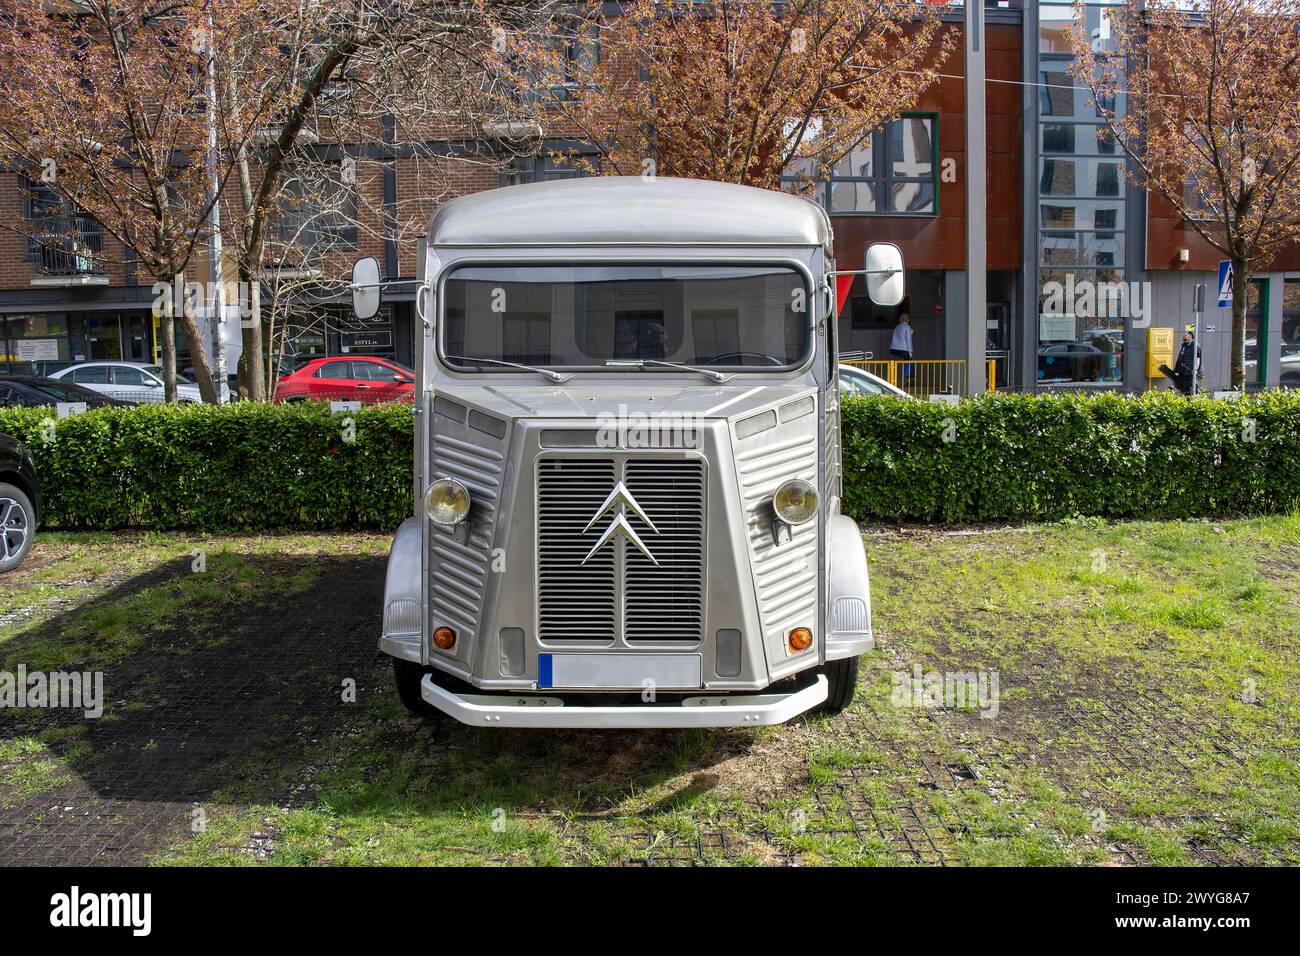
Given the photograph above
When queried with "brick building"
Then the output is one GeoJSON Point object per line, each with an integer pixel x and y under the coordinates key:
{"type": "Point", "coordinates": [1057, 205]}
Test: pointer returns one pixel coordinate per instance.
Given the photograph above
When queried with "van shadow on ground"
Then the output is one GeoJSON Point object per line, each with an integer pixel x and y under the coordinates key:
{"type": "Point", "coordinates": [244, 704]}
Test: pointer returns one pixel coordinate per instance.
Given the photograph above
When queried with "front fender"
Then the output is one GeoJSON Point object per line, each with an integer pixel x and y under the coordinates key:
{"type": "Point", "coordinates": [849, 590]}
{"type": "Point", "coordinates": [402, 636]}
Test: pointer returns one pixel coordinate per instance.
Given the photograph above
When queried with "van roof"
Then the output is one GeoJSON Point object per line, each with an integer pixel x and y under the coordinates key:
{"type": "Point", "coordinates": [629, 210]}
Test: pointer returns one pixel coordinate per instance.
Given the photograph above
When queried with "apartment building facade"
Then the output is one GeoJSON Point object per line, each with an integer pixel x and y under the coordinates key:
{"type": "Point", "coordinates": [1060, 212]}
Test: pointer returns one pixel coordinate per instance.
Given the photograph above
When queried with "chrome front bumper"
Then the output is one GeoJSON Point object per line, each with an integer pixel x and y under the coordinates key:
{"type": "Point", "coordinates": [705, 710]}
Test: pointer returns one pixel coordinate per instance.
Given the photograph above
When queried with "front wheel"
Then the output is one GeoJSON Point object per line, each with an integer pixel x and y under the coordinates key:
{"type": "Point", "coordinates": [17, 524]}
{"type": "Point", "coordinates": [408, 677]}
{"type": "Point", "coordinates": [842, 675]}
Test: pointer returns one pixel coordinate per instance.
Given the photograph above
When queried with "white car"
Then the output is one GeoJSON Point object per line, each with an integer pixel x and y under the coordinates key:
{"type": "Point", "coordinates": [855, 381]}
{"type": "Point", "coordinates": [129, 381]}
{"type": "Point", "coordinates": [1288, 369]}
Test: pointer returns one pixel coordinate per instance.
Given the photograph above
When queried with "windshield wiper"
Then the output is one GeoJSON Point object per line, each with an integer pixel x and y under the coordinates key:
{"type": "Point", "coordinates": [718, 377]}
{"type": "Point", "coordinates": [554, 376]}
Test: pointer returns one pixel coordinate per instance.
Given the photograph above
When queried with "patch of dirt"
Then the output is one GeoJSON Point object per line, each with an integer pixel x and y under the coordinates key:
{"type": "Point", "coordinates": [188, 720]}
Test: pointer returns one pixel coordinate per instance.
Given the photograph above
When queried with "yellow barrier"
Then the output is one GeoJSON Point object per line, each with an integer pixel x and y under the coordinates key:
{"type": "Point", "coordinates": [925, 377]}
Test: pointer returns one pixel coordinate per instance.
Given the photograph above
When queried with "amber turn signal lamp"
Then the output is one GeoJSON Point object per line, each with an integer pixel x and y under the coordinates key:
{"type": "Point", "coordinates": [800, 639]}
{"type": "Point", "coordinates": [444, 637]}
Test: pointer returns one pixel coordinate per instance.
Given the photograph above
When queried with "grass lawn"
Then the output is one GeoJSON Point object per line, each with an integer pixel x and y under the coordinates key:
{"type": "Point", "coordinates": [1148, 711]}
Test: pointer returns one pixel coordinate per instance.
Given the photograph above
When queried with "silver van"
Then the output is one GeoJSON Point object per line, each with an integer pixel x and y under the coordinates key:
{"type": "Point", "coordinates": [627, 460]}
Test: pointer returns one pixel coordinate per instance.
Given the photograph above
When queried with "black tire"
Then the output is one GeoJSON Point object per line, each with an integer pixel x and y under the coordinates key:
{"type": "Point", "coordinates": [408, 677]}
{"type": "Point", "coordinates": [842, 675]}
{"type": "Point", "coordinates": [17, 526]}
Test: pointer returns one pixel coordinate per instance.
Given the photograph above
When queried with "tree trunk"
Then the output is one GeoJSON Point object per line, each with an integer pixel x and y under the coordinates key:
{"type": "Point", "coordinates": [254, 347]}
{"type": "Point", "coordinates": [202, 371]}
{"type": "Point", "coordinates": [1240, 283]}
{"type": "Point", "coordinates": [167, 332]}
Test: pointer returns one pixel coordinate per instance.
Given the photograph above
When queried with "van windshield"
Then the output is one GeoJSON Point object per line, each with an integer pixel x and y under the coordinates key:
{"type": "Point", "coordinates": [580, 317]}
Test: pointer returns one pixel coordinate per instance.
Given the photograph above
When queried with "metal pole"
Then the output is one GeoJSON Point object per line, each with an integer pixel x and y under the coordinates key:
{"type": "Point", "coordinates": [216, 287]}
{"type": "Point", "coordinates": [976, 203]}
{"type": "Point", "coordinates": [1198, 306]}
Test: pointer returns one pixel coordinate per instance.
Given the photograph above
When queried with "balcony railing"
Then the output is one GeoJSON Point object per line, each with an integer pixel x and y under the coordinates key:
{"type": "Point", "coordinates": [68, 248]}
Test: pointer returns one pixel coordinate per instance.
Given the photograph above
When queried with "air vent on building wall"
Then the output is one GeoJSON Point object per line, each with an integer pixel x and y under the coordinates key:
{"type": "Point", "coordinates": [513, 129]}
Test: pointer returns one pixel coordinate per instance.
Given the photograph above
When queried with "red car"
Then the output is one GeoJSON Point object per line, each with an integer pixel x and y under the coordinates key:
{"type": "Point", "coordinates": [348, 379]}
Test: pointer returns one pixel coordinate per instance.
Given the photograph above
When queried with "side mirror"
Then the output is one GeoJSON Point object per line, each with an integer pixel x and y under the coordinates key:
{"type": "Point", "coordinates": [884, 273]}
{"type": "Point", "coordinates": [365, 287]}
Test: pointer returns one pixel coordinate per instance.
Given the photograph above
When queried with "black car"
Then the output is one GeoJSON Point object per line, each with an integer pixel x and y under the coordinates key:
{"type": "Point", "coordinates": [20, 502]}
{"type": "Point", "coordinates": [30, 391]}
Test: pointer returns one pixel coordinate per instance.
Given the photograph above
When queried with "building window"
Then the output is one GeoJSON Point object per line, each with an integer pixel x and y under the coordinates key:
{"type": "Point", "coordinates": [537, 169]}
{"type": "Point", "coordinates": [1083, 305]}
{"type": "Point", "coordinates": [893, 172]}
{"type": "Point", "coordinates": [576, 54]}
{"type": "Point", "coordinates": [318, 208]}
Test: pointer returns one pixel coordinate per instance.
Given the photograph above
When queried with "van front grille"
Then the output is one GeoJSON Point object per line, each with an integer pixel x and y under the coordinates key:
{"type": "Point", "coordinates": [620, 594]}
{"type": "Point", "coordinates": [666, 602]}
{"type": "Point", "coordinates": [576, 601]}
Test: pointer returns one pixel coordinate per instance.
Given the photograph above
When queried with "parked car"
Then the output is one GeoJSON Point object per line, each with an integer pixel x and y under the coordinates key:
{"type": "Point", "coordinates": [856, 381]}
{"type": "Point", "coordinates": [131, 381]}
{"type": "Point", "coordinates": [31, 391]}
{"type": "Point", "coordinates": [1071, 362]}
{"type": "Point", "coordinates": [359, 378]}
{"type": "Point", "coordinates": [1288, 373]}
{"type": "Point", "coordinates": [20, 502]}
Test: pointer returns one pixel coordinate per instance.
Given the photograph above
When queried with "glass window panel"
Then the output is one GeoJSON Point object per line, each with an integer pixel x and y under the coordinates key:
{"type": "Point", "coordinates": [1086, 249]}
{"type": "Point", "coordinates": [1057, 138]}
{"type": "Point", "coordinates": [911, 150]}
{"type": "Point", "coordinates": [1057, 94]}
{"type": "Point", "coordinates": [1080, 177]}
{"type": "Point", "coordinates": [1291, 295]}
{"type": "Point", "coordinates": [1082, 139]}
{"type": "Point", "coordinates": [1053, 26]}
{"type": "Point", "coordinates": [1100, 26]}
{"type": "Point", "coordinates": [912, 197]}
{"type": "Point", "coordinates": [856, 163]}
{"type": "Point", "coordinates": [853, 197]}
{"type": "Point", "coordinates": [1081, 215]}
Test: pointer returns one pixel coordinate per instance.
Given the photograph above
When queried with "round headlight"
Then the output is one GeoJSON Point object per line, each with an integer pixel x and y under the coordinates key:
{"type": "Point", "coordinates": [446, 501]}
{"type": "Point", "coordinates": [795, 502]}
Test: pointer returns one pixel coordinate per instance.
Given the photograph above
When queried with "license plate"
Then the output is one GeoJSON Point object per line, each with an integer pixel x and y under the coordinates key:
{"type": "Point", "coordinates": [619, 671]}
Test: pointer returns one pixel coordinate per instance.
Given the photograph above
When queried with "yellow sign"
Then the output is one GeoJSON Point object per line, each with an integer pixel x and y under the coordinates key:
{"type": "Point", "coordinates": [1160, 350]}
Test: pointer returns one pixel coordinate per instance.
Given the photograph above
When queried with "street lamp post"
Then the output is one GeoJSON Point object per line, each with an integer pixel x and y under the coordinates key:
{"type": "Point", "coordinates": [216, 287]}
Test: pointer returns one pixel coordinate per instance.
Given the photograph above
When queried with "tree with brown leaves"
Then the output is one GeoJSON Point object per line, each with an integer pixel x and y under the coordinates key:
{"type": "Point", "coordinates": [105, 101]}
{"type": "Point", "coordinates": [733, 90]}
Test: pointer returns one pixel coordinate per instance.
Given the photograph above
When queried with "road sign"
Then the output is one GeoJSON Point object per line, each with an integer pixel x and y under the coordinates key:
{"type": "Point", "coordinates": [1225, 283]}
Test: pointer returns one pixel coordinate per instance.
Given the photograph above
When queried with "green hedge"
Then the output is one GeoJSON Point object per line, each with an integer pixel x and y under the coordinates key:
{"type": "Point", "coordinates": [1054, 456]}
{"type": "Point", "coordinates": [243, 466]}
{"type": "Point", "coordinates": [998, 457]}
